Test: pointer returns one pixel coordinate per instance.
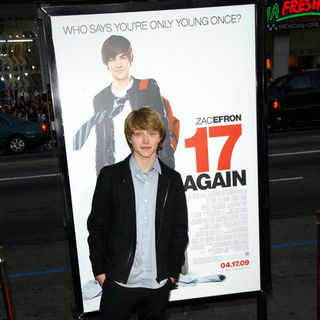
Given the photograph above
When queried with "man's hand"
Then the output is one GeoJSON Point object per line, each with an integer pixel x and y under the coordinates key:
{"type": "Point", "coordinates": [100, 278]}
{"type": "Point", "coordinates": [173, 280]}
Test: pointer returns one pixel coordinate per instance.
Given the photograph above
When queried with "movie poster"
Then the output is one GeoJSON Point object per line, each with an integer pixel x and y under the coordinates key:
{"type": "Point", "coordinates": [203, 61]}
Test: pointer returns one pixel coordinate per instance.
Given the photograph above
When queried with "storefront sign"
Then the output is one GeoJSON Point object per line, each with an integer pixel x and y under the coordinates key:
{"type": "Point", "coordinates": [301, 25]}
{"type": "Point", "coordinates": [281, 10]}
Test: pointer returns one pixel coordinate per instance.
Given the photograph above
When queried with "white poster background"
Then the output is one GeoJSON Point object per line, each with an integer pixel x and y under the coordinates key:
{"type": "Point", "coordinates": [204, 62]}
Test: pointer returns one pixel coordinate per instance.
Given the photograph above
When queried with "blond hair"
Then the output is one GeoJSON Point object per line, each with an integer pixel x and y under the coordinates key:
{"type": "Point", "coordinates": [144, 119]}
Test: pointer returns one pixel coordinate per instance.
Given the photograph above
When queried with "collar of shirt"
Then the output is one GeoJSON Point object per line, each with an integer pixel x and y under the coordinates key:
{"type": "Point", "coordinates": [123, 92]}
{"type": "Point", "coordinates": [139, 174]}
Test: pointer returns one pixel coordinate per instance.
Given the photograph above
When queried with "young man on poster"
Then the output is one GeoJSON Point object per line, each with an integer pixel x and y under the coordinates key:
{"type": "Point", "coordinates": [138, 225]}
{"type": "Point", "coordinates": [114, 103]}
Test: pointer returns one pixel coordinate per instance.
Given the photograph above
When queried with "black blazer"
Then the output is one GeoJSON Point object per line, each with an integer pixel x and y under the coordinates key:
{"type": "Point", "coordinates": [112, 223]}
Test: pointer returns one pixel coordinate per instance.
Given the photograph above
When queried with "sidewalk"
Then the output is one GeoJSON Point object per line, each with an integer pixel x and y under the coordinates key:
{"type": "Point", "coordinates": [294, 280]}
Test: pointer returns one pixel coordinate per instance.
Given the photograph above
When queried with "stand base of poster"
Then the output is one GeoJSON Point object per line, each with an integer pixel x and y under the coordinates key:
{"type": "Point", "coordinates": [262, 306]}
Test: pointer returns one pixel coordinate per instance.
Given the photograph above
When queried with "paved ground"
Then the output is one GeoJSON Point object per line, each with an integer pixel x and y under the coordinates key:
{"type": "Point", "coordinates": [294, 280]}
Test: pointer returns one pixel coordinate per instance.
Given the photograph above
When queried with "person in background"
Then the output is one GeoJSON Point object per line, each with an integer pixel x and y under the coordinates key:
{"type": "Point", "coordinates": [7, 97]}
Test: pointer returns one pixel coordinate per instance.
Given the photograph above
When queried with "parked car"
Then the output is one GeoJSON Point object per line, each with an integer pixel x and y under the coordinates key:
{"type": "Point", "coordinates": [294, 98]}
{"type": "Point", "coordinates": [17, 135]}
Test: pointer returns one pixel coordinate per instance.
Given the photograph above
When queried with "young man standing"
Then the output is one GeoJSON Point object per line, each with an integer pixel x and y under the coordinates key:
{"type": "Point", "coordinates": [138, 225]}
{"type": "Point", "coordinates": [115, 102]}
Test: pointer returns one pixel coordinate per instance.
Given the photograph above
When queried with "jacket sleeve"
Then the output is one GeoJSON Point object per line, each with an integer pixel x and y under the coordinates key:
{"type": "Point", "coordinates": [99, 223]}
{"type": "Point", "coordinates": [166, 154]}
{"type": "Point", "coordinates": [100, 161]}
{"type": "Point", "coordinates": [179, 238]}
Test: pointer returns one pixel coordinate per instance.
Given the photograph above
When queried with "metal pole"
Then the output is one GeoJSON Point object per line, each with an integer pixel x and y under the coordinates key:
{"type": "Point", "coordinates": [5, 287]}
{"type": "Point", "coordinates": [262, 306]}
{"type": "Point", "coordinates": [318, 266]}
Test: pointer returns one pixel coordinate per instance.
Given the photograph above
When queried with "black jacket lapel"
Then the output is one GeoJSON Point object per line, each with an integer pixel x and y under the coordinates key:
{"type": "Point", "coordinates": [162, 195]}
{"type": "Point", "coordinates": [126, 184]}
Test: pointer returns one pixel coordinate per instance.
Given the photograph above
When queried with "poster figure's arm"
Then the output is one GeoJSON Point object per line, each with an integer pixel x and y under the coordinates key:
{"type": "Point", "coordinates": [104, 132]}
{"type": "Point", "coordinates": [84, 131]}
{"type": "Point", "coordinates": [166, 154]}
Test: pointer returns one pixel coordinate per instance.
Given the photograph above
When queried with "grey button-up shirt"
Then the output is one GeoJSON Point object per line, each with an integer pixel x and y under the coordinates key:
{"type": "Point", "coordinates": [143, 273]}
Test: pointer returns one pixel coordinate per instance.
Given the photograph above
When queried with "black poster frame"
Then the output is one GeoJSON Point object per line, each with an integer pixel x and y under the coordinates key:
{"type": "Point", "coordinates": [46, 11]}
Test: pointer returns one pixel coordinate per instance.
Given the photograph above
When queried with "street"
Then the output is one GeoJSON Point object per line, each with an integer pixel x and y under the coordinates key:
{"type": "Point", "coordinates": [294, 173]}
{"type": "Point", "coordinates": [31, 201]}
{"type": "Point", "coordinates": [34, 238]}
{"type": "Point", "coordinates": [31, 194]}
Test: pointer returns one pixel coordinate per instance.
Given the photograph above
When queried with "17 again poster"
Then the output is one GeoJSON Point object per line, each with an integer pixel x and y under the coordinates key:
{"type": "Point", "coordinates": [204, 62]}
